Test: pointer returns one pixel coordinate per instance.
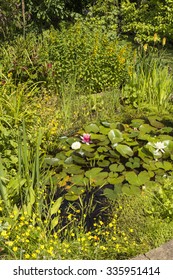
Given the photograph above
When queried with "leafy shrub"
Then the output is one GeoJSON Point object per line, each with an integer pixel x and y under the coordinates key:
{"type": "Point", "coordinates": [83, 54]}
{"type": "Point", "coordinates": [144, 18]}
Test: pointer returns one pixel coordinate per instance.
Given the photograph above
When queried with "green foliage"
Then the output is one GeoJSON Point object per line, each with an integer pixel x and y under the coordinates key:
{"type": "Point", "coordinates": [119, 159]}
{"type": "Point", "coordinates": [150, 82]}
{"type": "Point", "coordinates": [146, 18]}
{"type": "Point", "coordinates": [82, 55]}
{"type": "Point", "coordinates": [10, 18]}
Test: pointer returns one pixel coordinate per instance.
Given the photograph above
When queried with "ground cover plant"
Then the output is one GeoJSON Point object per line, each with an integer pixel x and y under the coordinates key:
{"type": "Point", "coordinates": [86, 141]}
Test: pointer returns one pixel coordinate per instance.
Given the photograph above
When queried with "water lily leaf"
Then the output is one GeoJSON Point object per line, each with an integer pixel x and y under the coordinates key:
{"type": "Point", "coordinates": [79, 160]}
{"type": "Point", "coordinates": [64, 182]}
{"type": "Point", "coordinates": [137, 122]}
{"type": "Point", "coordinates": [137, 180]}
{"type": "Point", "coordinates": [115, 136]}
{"type": "Point", "coordinates": [71, 140]}
{"type": "Point", "coordinates": [166, 130]}
{"type": "Point", "coordinates": [146, 128]}
{"type": "Point", "coordinates": [116, 168]}
{"type": "Point", "coordinates": [69, 160]}
{"type": "Point", "coordinates": [143, 177]}
{"type": "Point", "coordinates": [120, 126]}
{"type": "Point", "coordinates": [54, 209]}
{"type": "Point", "coordinates": [100, 179]}
{"type": "Point", "coordinates": [149, 166]}
{"type": "Point", "coordinates": [124, 150]}
{"type": "Point", "coordinates": [99, 137]}
{"type": "Point", "coordinates": [131, 177]}
{"type": "Point", "coordinates": [78, 180]}
{"type": "Point", "coordinates": [104, 163]}
{"type": "Point", "coordinates": [113, 194]}
{"type": "Point", "coordinates": [53, 161]}
{"type": "Point", "coordinates": [88, 148]}
{"type": "Point", "coordinates": [73, 169]}
{"type": "Point", "coordinates": [106, 124]}
{"type": "Point", "coordinates": [93, 172]}
{"type": "Point", "coordinates": [131, 190]}
{"type": "Point", "coordinates": [114, 154]}
{"type": "Point", "coordinates": [92, 128]}
{"type": "Point", "coordinates": [74, 193]}
{"type": "Point", "coordinates": [113, 174]}
{"type": "Point", "coordinates": [132, 165]}
{"type": "Point", "coordinates": [102, 149]}
{"type": "Point", "coordinates": [104, 130]}
{"type": "Point", "coordinates": [166, 165]}
{"type": "Point", "coordinates": [104, 143]}
{"type": "Point", "coordinates": [155, 123]}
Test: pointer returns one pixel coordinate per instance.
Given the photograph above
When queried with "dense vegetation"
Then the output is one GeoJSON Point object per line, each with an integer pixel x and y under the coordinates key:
{"type": "Point", "coordinates": [86, 131]}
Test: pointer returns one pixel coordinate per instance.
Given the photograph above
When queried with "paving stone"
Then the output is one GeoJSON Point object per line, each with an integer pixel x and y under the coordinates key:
{"type": "Point", "coordinates": [164, 252]}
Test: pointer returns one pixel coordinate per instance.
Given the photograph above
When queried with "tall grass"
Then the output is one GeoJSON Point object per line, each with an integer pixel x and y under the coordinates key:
{"type": "Point", "coordinates": [150, 82]}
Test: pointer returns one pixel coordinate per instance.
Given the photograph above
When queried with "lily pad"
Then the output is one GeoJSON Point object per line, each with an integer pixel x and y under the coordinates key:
{"type": "Point", "coordinates": [124, 150]}
{"type": "Point", "coordinates": [113, 194]}
{"type": "Point", "coordinates": [93, 172]}
{"type": "Point", "coordinates": [115, 136]}
{"type": "Point", "coordinates": [116, 167]}
{"type": "Point", "coordinates": [74, 193]}
{"type": "Point", "coordinates": [92, 128]}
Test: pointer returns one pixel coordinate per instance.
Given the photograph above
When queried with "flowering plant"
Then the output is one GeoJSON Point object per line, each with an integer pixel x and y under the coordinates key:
{"type": "Point", "coordinates": [86, 138]}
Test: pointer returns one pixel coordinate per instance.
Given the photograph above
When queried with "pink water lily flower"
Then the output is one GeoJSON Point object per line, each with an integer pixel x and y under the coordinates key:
{"type": "Point", "coordinates": [86, 138]}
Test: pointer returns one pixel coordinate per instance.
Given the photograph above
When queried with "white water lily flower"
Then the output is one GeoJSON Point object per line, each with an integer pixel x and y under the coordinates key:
{"type": "Point", "coordinates": [76, 145]}
{"type": "Point", "coordinates": [160, 146]}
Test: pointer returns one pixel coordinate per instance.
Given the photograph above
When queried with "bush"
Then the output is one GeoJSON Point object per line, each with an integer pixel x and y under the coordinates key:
{"type": "Point", "coordinates": [83, 54]}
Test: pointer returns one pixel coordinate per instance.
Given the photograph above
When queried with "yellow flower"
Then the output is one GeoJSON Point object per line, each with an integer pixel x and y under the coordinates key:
{"type": "Point", "coordinates": [110, 225]}
{"type": "Point", "coordinates": [4, 233]}
{"type": "Point", "coordinates": [164, 41]}
{"type": "Point", "coordinates": [27, 256]}
{"type": "Point", "coordinates": [9, 243]}
{"type": "Point", "coordinates": [103, 248]}
{"type": "Point", "coordinates": [15, 249]}
{"type": "Point", "coordinates": [34, 255]}
{"type": "Point", "coordinates": [145, 47]}
{"type": "Point", "coordinates": [9, 74]}
{"type": "Point", "coordinates": [155, 38]}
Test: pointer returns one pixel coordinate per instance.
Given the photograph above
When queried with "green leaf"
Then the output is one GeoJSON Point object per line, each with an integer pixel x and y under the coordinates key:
{"type": "Point", "coordinates": [92, 128]}
{"type": "Point", "coordinates": [93, 172]}
{"type": "Point", "coordinates": [56, 206]}
{"type": "Point", "coordinates": [124, 150]}
{"type": "Point", "coordinates": [115, 136]}
{"type": "Point", "coordinates": [52, 161]}
{"type": "Point", "coordinates": [78, 180]}
{"type": "Point", "coordinates": [106, 124]}
{"type": "Point", "coordinates": [131, 177]}
{"type": "Point", "coordinates": [104, 130]}
{"type": "Point", "coordinates": [103, 163]}
{"type": "Point", "coordinates": [113, 194]}
{"type": "Point", "coordinates": [74, 193]}
{"type": "Point", "coordinates": [73, 169]}
{"type": "Point", "coordinates": [54, 223]}
{"type": "Point", "coordinates": [116, 167]}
